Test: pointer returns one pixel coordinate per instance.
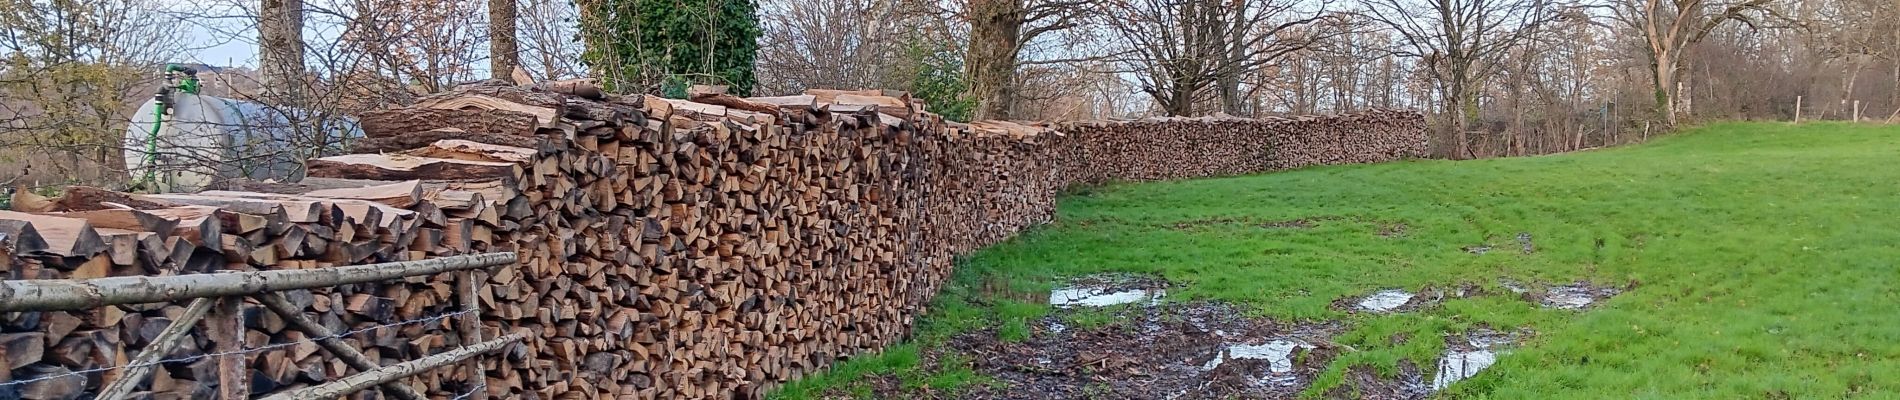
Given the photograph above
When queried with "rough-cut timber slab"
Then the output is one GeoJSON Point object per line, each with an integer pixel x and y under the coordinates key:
{"type": "Point", "coordinates": [457, 149]}
{"type": "Point", "coordinates": [403, 167]}
{"type": "Point", "coordinates": [402, 121]}
{"type": "Point", "coordinates": [400, 194]}
{"type": "Point", "coordinates": [411, 140]}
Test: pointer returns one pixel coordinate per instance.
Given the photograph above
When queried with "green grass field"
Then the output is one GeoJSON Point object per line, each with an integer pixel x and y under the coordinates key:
{"type": "Point", "coordinates": [1764, 259]}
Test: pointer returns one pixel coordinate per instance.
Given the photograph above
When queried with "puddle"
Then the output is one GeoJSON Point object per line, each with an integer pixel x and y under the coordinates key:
{"type": "Point", "coordinates": [1459, 365]}
{"type": "Point", "coordinates": [1575, 296]}
{"type": "Point", "coordinates": [1278, 353]}
{"type": "Point", "coordinates": [1385, 300]}
{"type": "Point", "coordinates": [1096, 297]}
{"type": "Point", "coordinates": [1479, 249]}
{"type": "Point", "coordinates": [1513, 286]}
{"type": "Point", "coordinates": [1104, 290]}
{"type": "Point", "coordinates": [1524, 240]}
{"type": "Point", "coordinates": [1478, 350]}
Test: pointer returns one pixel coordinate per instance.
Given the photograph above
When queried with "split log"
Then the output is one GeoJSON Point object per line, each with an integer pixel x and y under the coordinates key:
{"type": "Point", "coordinates": [65, 237]}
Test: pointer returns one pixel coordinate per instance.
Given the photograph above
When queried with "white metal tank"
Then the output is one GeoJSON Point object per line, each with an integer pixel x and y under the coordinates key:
{"type": "Point", "coordinates": [204, 139]}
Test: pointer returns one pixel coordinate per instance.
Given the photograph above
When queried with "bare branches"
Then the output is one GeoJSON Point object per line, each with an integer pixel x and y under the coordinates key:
{"type": "Point", "coordinates": [1183, 51]}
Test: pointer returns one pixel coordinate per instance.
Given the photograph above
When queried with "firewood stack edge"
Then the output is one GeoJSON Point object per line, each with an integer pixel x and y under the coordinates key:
{"type": "Point", "coordinates": [669, 249]}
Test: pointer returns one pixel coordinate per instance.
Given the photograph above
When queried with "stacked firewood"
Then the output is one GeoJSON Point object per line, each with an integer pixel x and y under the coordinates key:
{"type": "Point", "coordinates": [92, 233]}
{"type": "Point", "coordinates": [709, 248]}
{"type": "Point", "coordinates": [1367, 137]}
{"type": "Point", "coordinates": [1218, 146]}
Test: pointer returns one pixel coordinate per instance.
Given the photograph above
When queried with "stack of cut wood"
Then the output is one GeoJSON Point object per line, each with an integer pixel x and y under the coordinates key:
{"type": "Point", "coordinates": [1367, 137]}
{"type": "Point", "coordinates": [92, 233]}
{"type": "Point", "coordinates": [1217, 146]}
{"type": "Point", "coordinates": [709, 248]}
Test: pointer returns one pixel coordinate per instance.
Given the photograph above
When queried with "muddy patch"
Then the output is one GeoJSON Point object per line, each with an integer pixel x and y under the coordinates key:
{"type": "Point", "coordinates": [1171, 351]}
{"type": "Point", "coordinates": [1364, 382]}
{"type": "Point", "coordinates": [1576, 296]}
{"type": "Point", "coordinates": [1296, 223]}
{"type": "Point", "coordinates": [1466, 355]}
{"type": "Point", "coordinates": [1387, 301]}
{"type": "Point", "coordinates": [1392, 230]}
{"type": "Point", "coordinates": [1524, 242]}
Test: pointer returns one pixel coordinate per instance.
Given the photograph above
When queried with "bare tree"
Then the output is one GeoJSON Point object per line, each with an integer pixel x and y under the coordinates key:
{"type": "Point", "coordinates": [1460, 43]}
{"type": "Point", "coordinates": [999, 31]}
{"type": "Point", "coordinates": [832, 43]}
{"type": "Point", "coordinates": [1670, 26]}
{"type": "Point", "coordinates": [1181, 50]}
{"type": "Point", "coordinates": [550, 29]}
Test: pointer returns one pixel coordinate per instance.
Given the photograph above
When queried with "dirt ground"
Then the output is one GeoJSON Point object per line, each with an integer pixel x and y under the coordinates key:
{"type": "Point", "coordinates": [1149, 349]}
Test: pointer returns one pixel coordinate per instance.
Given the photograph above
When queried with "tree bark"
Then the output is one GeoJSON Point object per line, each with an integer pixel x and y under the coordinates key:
{"type": "Point", "coordinates": [280, 42]}
{"type": "Point", "coordinates": [502, 57]}
{"type": "Point", "coordinates": [995, 29]}
{"type": "Point", "coordinates": [1664, 73]}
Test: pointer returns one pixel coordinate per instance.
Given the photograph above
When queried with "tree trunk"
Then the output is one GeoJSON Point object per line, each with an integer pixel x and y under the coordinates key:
{"type": "Point", "coordinates": [502, 56]}
{"type": "Point", "coordinates": [1455, 106]}
{"type": "Point", "coordinates": [280, 42]}
{"type": "Point", "coordinates": [1180, 100]}
{"type": "Point", "coordinates": [1665, 79]}
{"type": "Point", "coordinates": [995, 26]}
{"type": "Point", "coordinates": [1230, 74]}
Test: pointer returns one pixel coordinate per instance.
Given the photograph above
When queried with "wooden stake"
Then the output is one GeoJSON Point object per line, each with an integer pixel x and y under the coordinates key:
{"type": "Point", "coordinates": [358, 382]}
{"type": "Point", "coordinates": [226, 329]}
{"type": "Point", "coordinates": [1797, 109]}
{"type": "Point", "coordinates": [472, 329]}
{"type": "Point", "coordinates": [1856, 110]}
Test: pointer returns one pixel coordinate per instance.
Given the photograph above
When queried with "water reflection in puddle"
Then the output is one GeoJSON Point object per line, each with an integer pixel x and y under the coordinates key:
{"type": "Point", "coordinates": [1096, 297]}
{"type": "Point", "coordinates": [1385, 300]}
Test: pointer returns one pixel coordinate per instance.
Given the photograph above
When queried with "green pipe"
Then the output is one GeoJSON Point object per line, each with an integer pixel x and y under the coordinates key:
{"type": "Point", "coordinates": [151, 148]}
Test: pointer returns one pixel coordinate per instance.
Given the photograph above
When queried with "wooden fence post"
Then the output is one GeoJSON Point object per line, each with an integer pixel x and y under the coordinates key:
{"type": "Point", "coordinates": [472, 329]}
{"type": "Point", "coordinates": [225, 327]}
{"type": "Point", "coordinates": [1797, 109]}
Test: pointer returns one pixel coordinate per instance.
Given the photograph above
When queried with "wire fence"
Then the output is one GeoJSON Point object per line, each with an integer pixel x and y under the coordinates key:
{"type": "Point", "coordinates": [259, 349]}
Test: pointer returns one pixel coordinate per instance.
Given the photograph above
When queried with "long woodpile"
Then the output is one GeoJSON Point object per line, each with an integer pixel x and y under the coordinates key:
{"type": "Point", "coordinates": [709, 248]}
{"type": "Point", "coordinates": [1175, 147]}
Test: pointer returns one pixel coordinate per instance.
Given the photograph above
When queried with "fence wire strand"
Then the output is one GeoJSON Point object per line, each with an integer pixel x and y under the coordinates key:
{"type": "Point", "coordinates": [471, 392]}
{"type": "Point", "coordinates": [258, 349]}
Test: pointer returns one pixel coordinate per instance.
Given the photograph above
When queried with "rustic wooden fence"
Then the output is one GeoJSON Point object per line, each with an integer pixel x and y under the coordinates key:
{"type": "Point", "coordinates": [215, 299]}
